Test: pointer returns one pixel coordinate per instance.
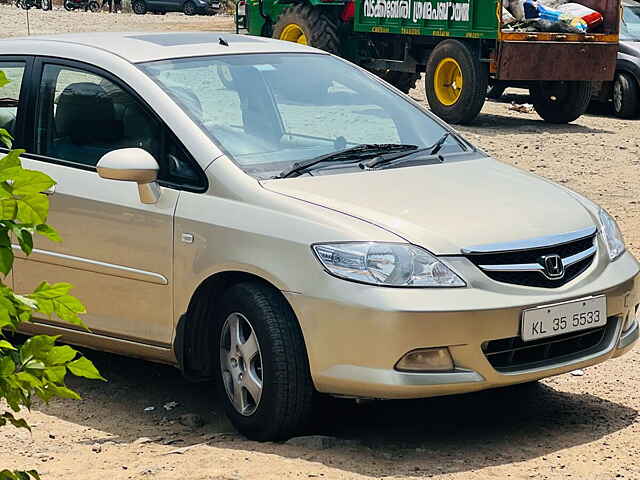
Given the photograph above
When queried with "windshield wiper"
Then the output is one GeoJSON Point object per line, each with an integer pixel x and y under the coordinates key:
{"type": "Point", "coordinates": [348, 154]}
{"type": "Point", "coordinates": [383, 159]}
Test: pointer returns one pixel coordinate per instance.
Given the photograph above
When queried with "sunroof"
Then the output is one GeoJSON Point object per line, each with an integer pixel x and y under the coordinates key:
{"type": "Point", "coordinates": [177, 39]}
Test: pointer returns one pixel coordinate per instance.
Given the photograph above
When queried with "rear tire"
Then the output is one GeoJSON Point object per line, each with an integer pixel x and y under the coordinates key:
{"type": "Point", "coordinates": [496, 91]}
{"type": "Point", "coordinates": [94, 6]}
{"type": "Point", "coordinates": [309, 26]}
{"type": "Point", "coordinates": [625, 96]}
{"type": "Point", "coordinates": [189, 9]}
{"type": "Point", "coordinates": [403, 81]}
{"type": "Point", "coordinates": [455, 82]}
{"type": "Point", "coordinates": [139, 7]}
{"type": "Point", "coordinates": [284, 405]}
{"type": "Point", "coordinates": [560, 102]}
{"type": "Point", "coordinates": [68, 6]}
{"type": "Point", "coordinates": [45, 5]}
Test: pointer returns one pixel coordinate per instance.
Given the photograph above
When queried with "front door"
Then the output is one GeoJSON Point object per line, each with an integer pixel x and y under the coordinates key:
{"type": "Point", "coordinates": [117, 251]}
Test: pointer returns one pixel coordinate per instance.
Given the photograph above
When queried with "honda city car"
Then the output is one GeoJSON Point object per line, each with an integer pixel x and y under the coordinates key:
{"type": "Point", "coordinates": [277, 220]}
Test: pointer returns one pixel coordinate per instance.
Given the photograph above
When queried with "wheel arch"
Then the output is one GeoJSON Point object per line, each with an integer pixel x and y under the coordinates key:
{"type": "Point", "coordinates": [628, 64]}
{"type": "Point", "coordinates": [194, 329]}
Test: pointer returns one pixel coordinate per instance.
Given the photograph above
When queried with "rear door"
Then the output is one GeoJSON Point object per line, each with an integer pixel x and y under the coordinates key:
{"type": "Point", "coordinates": [14, 72]}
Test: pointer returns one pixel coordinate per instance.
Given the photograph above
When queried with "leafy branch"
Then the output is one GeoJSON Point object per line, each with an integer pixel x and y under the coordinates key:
{"type": "Point", "coordinates": [39, 366]}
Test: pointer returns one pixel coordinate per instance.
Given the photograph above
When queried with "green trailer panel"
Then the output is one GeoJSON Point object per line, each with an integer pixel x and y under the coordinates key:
{"type": "Point", "coordinates": [461, 18]}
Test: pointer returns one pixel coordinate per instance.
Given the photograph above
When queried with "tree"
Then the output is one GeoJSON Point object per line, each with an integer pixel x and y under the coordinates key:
{"type": "Point", "coordinates": [39, 366]}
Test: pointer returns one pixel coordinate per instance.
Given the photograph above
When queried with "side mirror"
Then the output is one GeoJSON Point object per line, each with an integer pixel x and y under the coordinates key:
{"type": "Point", "coordinates": [132, 165]}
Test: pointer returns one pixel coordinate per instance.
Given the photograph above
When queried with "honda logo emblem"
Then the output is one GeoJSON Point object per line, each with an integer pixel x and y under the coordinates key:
{"type": "Point", "coordinates": [553, 266]}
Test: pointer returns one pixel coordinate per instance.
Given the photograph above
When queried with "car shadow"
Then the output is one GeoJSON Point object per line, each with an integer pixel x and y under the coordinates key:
{"type": "Point", "coordinates": [595, 109]}
{"type": "Point", "coordinates": [417, 437]}
{"type": "Point", "coordinates": [492, 124]}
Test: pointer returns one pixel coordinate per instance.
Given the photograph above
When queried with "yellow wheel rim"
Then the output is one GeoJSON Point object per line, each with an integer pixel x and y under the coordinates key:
{"type": "Point", "coordinates": [448, 81]}
{"type": "Point", "coordinates": [293, 33]}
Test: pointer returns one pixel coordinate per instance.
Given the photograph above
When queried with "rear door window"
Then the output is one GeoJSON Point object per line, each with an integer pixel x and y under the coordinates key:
{"type": "Point", "coordinates": [11, 76]}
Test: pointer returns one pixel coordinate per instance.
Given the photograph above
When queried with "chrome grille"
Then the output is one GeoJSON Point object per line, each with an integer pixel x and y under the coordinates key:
{"type": "Point", "coordinates": [524, 263]}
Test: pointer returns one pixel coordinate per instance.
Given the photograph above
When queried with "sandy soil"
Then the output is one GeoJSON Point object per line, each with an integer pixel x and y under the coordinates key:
{"type": "Point", "coordinates": [568, 427]}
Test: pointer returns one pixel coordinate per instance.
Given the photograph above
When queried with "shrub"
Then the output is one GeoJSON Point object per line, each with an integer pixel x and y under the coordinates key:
{"type": "Point", "coordinates": [39, 366]}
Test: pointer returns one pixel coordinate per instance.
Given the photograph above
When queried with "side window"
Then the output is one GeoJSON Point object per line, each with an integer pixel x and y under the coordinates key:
{"type": "Point", "coordinates": [11, 74]}
{"type": "Point", "coordinates": [81, 116]}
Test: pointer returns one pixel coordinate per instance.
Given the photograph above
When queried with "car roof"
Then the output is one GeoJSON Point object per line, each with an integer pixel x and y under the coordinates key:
{"type": "Point", "coordinates": [148, 46]}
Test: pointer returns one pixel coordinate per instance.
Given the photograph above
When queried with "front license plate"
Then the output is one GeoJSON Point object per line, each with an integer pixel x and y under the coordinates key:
{"type": "Point", "coordinates": [550, 320]}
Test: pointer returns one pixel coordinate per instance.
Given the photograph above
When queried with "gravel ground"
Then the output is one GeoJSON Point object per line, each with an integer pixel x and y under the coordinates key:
{"type": "Point", "coordinates": [568, 427]}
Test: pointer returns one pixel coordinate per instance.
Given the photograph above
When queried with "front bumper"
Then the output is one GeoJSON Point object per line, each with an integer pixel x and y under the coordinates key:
{"type": "Point", "coordinates": [355, 334]}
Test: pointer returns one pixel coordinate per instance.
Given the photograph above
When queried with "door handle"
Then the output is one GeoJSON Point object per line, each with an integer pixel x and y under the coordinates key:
{"type": "Point", "coordinates": [50, 191]}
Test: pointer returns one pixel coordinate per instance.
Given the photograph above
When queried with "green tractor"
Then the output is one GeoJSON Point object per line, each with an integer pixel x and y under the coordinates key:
{"type": "Point", "coordinates": [460, 45]}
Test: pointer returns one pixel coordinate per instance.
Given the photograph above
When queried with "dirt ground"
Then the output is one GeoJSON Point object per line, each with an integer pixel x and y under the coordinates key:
{"type": "Point", "coordinates": [13, 22]}
{"type": "Point", "coordinates": [568, 427]}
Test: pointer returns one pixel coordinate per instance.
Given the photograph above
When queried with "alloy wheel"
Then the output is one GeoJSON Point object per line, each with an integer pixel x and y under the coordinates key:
{"type": "Point", "coordinates": [241, 364]}
{"type": "Point", "coordinates": [617, 95]}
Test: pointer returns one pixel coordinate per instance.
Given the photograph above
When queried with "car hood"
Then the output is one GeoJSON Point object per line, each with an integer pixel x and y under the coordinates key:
{"type": "Point", "coordinates": [445, 208]}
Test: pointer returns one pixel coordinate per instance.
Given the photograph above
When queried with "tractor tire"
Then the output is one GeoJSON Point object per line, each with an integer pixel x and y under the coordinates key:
{"type": "Point", "coordinates": [309, 25]}
{"type": "Point", "coordinates": [455, 82]}
{"type": "Point", "coordinates": [403, 81]}
{"type": "Point", "coordinates": [560, 102]}
{"type": "Point", "coordinates": [625, 96]}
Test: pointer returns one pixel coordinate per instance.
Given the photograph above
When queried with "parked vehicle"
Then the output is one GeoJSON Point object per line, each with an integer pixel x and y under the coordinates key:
{"type": "Point", "coordinates": [71, 5]}
{"type": "Point", "coordinates": [461, 46]}
{"type": "Point", "coordinates": [278, 220]}
{"type": "Point", "coordinates": [27, 4]}
{"type": "Point", "coordinates": [623, 92]}
{"type": "Point", "coordinates": [188, 7]}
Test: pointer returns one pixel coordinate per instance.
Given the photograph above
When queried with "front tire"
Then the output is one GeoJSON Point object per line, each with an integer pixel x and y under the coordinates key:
{"type": "Point", "coordinates": [455, 82]}
{"type": "Point", "coordinates": [139, 7]}
{"type": "Point", "coordinates": [264, 376]}
{"type": "Point", "coordinates": [68, 6]}
{"type": "Point", "coordinates": [94, 6]}
{"type": "Point", "coordinates": [625, 96]}
{"type": "Point", "coordinates": [560, 102]}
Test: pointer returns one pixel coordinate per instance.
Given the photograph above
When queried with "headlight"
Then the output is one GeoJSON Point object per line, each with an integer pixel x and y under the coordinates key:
{"type": "Point", "coordinates": [388, 264]}
{"type": "Point", "coordinates": [611, 234]}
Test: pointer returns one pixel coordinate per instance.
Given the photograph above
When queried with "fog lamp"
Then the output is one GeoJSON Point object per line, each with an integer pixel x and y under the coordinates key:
{"type": "Point", "coordinates": [631, 320]}
{"type": "Point", "coordinates": [426, 360]}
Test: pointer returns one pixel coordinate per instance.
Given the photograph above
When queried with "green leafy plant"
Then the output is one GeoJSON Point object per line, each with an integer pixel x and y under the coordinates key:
{"type": "Point", "coordinates": [39, 366]}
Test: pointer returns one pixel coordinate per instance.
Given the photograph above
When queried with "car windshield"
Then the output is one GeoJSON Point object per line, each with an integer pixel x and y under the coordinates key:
{"type": "Point", "coordinates": [269, 111]}
{"type": "Point", "coordinates": [630, 28]}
